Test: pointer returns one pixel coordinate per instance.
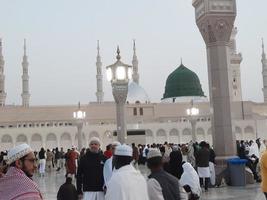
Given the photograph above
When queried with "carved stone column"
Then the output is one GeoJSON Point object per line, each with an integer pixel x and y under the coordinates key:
{"type": "Point", "coordinates": [79, 125]}
{"type": "Point", "coordinates": [120, 91]}
{"type": "Point", "coordinates": [215, 19]}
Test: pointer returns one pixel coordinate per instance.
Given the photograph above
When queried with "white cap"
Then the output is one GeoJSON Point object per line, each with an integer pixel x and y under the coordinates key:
{"type": "Point", "coordinates": [115, 143]}
{"type": "Point", "coordinates": [94, 140]}
{"type": "Point", "coordinates": [18, 152]}
{"type": "Point", "coordinates": [153, 152]}
{"type": "Point", "coordinates": [123, 150]}
{"type": "Point", "coordinates": [175, 147]}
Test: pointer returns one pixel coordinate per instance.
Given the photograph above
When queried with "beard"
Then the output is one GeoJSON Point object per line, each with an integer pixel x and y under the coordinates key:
{"type": "Point", "coordinates": [26, 172]}
{"type": "Point", "coordinates": [94, 150]}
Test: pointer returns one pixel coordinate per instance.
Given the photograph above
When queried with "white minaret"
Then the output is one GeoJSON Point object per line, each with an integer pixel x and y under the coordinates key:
{"type": "Point", "coordinates": [99, 77]}
{"type": "Point", "coordinates": [235, 61]}
{"type": "Point", "coordinates": [2, 78]}
{"type": "Point", "coordinates": [135, 65]}
{"type": "Point", "coordinates": [25, 95]}
{"type": "Point", "coordinates": [264, 72]}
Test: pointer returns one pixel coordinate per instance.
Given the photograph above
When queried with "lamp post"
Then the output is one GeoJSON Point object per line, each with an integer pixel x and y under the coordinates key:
{"type": "Point", "coordinates": [193, 113]}
{"type": "Point", "coordinates": [79, 117]}
{"type": "Point", "coordinates": [119, 75]}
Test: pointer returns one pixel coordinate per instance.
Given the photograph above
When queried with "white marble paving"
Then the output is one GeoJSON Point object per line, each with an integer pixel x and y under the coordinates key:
{"type": "Point", "coordinates": [50, 184]}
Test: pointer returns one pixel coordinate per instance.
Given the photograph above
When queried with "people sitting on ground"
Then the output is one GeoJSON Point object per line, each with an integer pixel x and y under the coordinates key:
{"type": "Point", "coordinates": [190, 181]}
{"type": "Point", "coordinates": [67, 191]}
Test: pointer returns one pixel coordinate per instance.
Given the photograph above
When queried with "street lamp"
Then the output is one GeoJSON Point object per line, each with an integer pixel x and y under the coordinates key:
{"type": "Point", "coordinates": [193, 113]}
{"type": "Point", "coordinates": [79, 117]}
{"type": "Point", "coordinates": [119, 75]}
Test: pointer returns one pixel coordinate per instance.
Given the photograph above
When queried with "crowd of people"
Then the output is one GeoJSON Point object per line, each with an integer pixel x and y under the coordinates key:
{"type": "Point", "coordinates": [175, 171]}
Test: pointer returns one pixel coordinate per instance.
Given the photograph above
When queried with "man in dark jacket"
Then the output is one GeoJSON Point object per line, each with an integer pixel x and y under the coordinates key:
{"type": "Point", "coordinates": [90, 179]}
{"type": "Point", "coordinates": [202, 162]}
{"type": "Point", "coordinates": [67, 191]}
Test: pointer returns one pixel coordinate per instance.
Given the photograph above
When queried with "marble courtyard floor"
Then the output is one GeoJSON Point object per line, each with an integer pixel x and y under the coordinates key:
{"type": "Point", "coordinates": [50, 184]}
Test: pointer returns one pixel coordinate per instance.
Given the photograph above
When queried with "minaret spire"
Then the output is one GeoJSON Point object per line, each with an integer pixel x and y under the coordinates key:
{"type": "Point", "coordinates": [25, 95]}
{"type": "Point", "coordinates": [264, 72]}
{"type": "Point", "coordinates": [263, 51]}
{"type": "Point", "coordinates": [25, 53]}
{"type": "Point", "coordinates": [235, 71]}
{"type": "Point", "coordinates": [99, 77]}
{"type": "Point", "coordinates": [135, 65]}
{"type": "Point", "coordinates": [2, 78]}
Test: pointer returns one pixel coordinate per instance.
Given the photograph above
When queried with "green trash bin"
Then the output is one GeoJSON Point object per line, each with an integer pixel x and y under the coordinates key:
{"type": "Point", "coordinates": [237, 171]}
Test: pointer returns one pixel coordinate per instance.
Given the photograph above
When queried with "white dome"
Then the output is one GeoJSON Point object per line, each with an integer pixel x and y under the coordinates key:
{"type": "Point", "coordinates": [136, 94]}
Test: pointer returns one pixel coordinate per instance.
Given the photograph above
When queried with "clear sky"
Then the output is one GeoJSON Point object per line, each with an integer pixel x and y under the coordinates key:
{"type": "Point", "coordinates": [61, 43]}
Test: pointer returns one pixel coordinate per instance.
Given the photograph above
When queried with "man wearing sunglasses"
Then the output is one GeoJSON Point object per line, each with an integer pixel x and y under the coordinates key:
{"type": "Point", "coordinates": [17, 183]}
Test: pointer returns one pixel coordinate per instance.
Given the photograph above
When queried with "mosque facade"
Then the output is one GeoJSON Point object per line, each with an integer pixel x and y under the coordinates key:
{"type": "Point", "coordinates": [147, 122]}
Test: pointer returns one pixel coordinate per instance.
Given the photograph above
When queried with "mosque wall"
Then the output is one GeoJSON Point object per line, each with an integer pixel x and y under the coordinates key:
{"type": "Point", "coordinates": [53, 126]}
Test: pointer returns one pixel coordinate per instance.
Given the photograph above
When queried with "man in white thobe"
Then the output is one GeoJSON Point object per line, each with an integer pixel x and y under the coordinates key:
{"type": "Point", "coordinates": [126, 182]}
{"type": "Point", "coordinates": [107, 172]}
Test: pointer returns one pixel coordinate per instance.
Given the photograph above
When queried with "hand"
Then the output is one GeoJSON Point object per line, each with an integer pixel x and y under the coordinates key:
{"type": "Point", "coordinates": [105, 190]}
{"type": "Point", "coordinates": [80, 196]}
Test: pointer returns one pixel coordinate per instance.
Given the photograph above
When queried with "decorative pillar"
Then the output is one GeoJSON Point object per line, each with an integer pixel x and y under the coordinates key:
{"type": "Point", "coordinates": [264, 73]}
{"type": "Point", "coordinates": [193, 125]}
{"type": "Point", "coordinates": [215, 20]}
{"type": "Point", "coordinates": [119, 75]}
{"type": "Point", "coordinates": [120, 91]}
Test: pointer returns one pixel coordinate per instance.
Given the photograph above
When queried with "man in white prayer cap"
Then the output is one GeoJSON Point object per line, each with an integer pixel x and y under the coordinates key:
{"type": "Point", "coordinates": [108, 168]}
{"type": "Point", "coordinates": [17, 183]}
{"type": "Point", "coordinates": [126, 182]}
{"type": "Point", "coordinates": [90, 180]}
{"type": "Point", "coordinates": [162, 185]}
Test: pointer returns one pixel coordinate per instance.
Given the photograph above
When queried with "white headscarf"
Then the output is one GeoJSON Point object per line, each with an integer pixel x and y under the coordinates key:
{"type": "Point", "coordinates": [190, 178]}
{"type": "Point", "coordinates": [254, 149]}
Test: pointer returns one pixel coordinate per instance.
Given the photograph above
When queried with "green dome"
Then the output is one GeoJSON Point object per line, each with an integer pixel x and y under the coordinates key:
{"type": "Point", "coordinates": [182, 82]}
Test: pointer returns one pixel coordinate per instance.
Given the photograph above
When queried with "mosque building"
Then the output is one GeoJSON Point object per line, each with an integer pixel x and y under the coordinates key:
{"type": "Point", "coordinates": [147, 122]}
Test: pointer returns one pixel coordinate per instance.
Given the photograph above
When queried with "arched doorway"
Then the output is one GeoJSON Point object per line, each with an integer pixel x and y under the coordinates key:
{"type": "Point", "coordinates": [174, 136]}
{"type": "Point", "coordinates": [21, 139]}
{"type": "Point", "coordinates": [161, 136]}
{"type": "Point", "coordinates": [65, 141]}
{"type": "Point", "coordinates": [36, 142]}
{"type": "Point", "coordinates": [51, 141]}
{"type": "Point", "coordinates": [6, 142]}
